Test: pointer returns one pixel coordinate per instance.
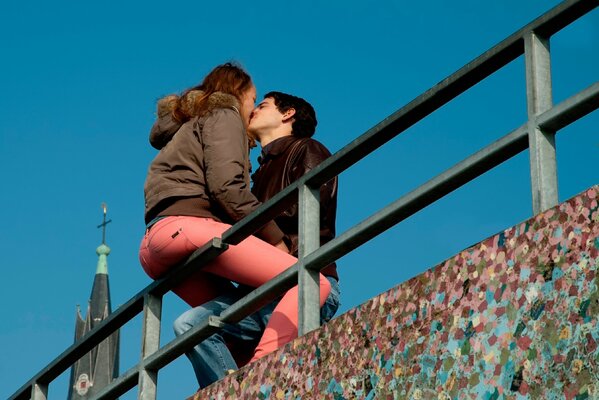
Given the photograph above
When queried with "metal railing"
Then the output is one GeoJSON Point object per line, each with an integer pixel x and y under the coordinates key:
{"type": "Point", "coordinates": [537, 134]}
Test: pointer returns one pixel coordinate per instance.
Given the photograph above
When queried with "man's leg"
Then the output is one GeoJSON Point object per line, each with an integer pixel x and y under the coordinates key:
{"type": "Point", "coordinates": [212, 358]}
{"type": "Point", "coordinates": [331, 305]}
{"type": "Point", "coordinates": [233, 346]}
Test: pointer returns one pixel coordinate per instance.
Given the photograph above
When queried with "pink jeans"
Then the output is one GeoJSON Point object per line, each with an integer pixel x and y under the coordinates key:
{"type": "Point", "coordinates": [252, 262]}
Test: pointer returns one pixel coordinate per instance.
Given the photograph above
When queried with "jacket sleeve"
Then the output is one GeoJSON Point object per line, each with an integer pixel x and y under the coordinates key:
{"type": "Point", "coordinates": [227, 179]}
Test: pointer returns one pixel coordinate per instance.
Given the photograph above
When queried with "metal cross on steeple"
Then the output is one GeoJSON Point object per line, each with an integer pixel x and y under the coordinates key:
{"type": "Point", "coordinates": [103, 224]}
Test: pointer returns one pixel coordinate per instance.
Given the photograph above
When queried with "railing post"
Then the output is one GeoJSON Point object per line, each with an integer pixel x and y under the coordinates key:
{"type": "Point", "coordinates": [309, 240]}
{"type": "Point", "coordinates": [543, 168]}
{"type": "Point", "coordinates": [148, 379]}
{"type": "Point", "coordinates": [39, 391]}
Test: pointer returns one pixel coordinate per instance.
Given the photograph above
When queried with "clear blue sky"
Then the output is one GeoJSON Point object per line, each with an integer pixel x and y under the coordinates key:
{"type": "Point", "coordinates": [79, 83]}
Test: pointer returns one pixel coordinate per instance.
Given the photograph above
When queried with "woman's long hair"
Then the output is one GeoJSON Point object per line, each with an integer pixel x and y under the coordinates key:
{"type": "Point", "coordinates": [226, 78]}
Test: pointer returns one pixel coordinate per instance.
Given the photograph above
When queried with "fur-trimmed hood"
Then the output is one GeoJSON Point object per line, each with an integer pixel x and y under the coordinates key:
{"type": "Point", "coordinates": [166, 126]}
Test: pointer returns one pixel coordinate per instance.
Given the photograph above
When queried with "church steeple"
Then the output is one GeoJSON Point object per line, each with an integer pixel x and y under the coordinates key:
{"type": "Point", "coordinates": [100, 366]}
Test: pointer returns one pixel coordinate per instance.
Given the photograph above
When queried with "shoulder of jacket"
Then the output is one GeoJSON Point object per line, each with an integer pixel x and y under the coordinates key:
{"type": "Point", "coordinates": [221, 115]}
{"type": "Point", "coordinates": [311, 146]}
{"type": "Point", "coordinates": [221, 122]}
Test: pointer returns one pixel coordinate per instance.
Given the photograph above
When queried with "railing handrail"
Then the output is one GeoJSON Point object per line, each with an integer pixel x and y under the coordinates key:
{"type": "Point", "coordinates": [553, 119]}
{"type": "Point", "coordinates": [431, 100]}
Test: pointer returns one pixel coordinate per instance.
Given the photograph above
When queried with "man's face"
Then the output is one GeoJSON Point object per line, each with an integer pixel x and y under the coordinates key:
{"type": "Point", "coordinates": [265, 118]}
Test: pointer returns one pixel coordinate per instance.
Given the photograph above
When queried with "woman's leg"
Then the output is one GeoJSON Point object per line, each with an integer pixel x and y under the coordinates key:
{"type": "Point", "coordinates": [283, 325]}
{"type": "Point", "coordinates": [252, 262]}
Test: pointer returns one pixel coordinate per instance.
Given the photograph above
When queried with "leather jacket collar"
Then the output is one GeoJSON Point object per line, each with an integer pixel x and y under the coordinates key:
{"type": "Point", "coordinates": [276, 147]}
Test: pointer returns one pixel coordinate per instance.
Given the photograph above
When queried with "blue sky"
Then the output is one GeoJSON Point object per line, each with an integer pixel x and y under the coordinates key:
{"type": "Point", "coordinates": [80, 81]}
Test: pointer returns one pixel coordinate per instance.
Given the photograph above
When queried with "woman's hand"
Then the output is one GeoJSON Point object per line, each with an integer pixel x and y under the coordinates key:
{"type": "Point", "coordinates": [282, 246]}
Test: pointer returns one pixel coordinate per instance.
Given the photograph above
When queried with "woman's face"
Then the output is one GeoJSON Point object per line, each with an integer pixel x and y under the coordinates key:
{"type": "Point", "coordinates": [248, 100]}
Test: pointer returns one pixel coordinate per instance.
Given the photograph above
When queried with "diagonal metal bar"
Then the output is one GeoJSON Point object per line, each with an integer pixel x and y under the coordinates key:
{"type": "Point", "coordinates": [571, 109]}
{"type": "Point", "coordinates": [560, 16]}
{"type": "Point", "coordinates": [485, 159]}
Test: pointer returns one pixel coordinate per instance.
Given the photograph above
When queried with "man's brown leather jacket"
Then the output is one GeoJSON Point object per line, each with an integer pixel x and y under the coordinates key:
{"type": "Point", "coordinates": [282, 162]}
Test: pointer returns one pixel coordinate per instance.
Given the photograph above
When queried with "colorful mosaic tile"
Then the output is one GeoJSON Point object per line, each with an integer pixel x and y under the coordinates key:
{"type": "Point", "coordinates": [513, 317]}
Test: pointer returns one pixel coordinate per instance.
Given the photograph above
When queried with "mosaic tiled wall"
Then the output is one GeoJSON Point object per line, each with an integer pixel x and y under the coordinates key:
{"type": "Point", "coordinates": [513, 317]}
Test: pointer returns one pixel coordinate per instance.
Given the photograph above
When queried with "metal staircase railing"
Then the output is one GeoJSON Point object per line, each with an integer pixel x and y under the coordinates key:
{"type": "Point", "coordinates": [537, 134]}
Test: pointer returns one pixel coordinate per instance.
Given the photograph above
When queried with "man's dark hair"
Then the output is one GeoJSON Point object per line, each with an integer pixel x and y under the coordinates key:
{"type": "Point", "coordinates": [304, 120]}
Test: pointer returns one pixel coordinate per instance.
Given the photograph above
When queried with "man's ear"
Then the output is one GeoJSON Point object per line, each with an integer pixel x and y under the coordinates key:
{"type": "Point", "coordinates": [287, 115]}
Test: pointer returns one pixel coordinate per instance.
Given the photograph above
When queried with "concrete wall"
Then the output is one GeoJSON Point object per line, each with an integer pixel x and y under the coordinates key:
{"type": "Point", "coordinates": [512, 317]}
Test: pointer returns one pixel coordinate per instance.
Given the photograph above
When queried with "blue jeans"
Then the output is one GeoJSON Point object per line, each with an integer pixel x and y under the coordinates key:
{"type": "Point", "coordinates": [212, 358]}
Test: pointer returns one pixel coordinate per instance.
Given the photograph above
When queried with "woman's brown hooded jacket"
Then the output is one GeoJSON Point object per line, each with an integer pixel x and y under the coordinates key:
{"type": "Point", "coordinates": [202, 168]}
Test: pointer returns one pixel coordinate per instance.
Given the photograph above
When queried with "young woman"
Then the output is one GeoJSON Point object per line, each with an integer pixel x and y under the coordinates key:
{"type": "Point", "coordinates": [198, 185]}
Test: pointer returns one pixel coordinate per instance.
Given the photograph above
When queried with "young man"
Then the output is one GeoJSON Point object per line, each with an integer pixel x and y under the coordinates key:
{"type": "Point", "coordinates": [283, 125]}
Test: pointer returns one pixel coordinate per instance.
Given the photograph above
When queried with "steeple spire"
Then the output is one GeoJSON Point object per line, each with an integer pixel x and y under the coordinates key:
{"type": "Point", "coordinates": [103, 250]}
{"type": "Point", "coordinates": [100, 366]}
